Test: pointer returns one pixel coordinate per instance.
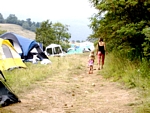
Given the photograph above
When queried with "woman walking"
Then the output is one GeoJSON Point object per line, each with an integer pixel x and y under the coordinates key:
{"type": "Point", "coordinates": [101, 48]}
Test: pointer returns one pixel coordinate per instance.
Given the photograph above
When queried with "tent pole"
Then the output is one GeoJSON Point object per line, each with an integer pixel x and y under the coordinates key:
{"type": "Point", "coordinates": [2, 75]}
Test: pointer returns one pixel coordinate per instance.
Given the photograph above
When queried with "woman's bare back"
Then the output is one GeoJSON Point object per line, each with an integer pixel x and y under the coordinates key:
{"type": "Point", "coordinates": [101, 43]}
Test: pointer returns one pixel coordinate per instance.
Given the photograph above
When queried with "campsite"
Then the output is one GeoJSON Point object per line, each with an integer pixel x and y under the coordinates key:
{"type": "Point", "coordinates": [61, 85]}
{"type": "Point", "coordinates": [62, 79]}
{"type": "Point", "coordinates": [59, 80]}
{"type": "Point", "coordinates": [66, 87]}
{"type": "Point", "coordinates": [24, 46]}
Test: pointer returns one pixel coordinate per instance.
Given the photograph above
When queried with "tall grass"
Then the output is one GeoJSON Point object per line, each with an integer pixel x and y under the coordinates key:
{"type": "Point", "coordinates": [116, 68]}
{"type": "Point", "coordinates": [21, 80]}
{"type": "Point", "coordinates": [132, 75]}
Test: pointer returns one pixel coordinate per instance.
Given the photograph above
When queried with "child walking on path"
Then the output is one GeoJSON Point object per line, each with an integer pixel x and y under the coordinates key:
{"type": "Point", "coordinates": [91, 62]}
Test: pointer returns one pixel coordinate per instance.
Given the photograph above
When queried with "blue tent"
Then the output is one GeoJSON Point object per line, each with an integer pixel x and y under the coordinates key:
{"type": "Point", "coordinates": [24, 46]}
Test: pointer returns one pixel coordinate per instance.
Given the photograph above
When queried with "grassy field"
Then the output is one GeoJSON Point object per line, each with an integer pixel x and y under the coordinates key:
{"type": "Point", "coordinates": [71, 74]}
{"type": "Point", "coordinates": [25, 78]}
{"type": "Point", "coordinates": [133, 75]}
{"type": "Point", "coordinates": [66, 87]}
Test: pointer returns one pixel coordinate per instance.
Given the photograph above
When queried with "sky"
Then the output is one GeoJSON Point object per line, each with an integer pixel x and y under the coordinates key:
{"type": "Point", "coordinates": [75, 13]}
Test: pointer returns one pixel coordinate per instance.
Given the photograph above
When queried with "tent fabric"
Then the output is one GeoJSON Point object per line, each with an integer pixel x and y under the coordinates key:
{"type": "Point", "coordinates": [7, 97]}
{"type": "Point", "coordinates": [9, 58]}
{"type": "Point", "coordinates": [2, 76]}
{"type": "Point", "coordinates": [87, 46]}
{"type": "Point", "coordinates": [81, 47]}
{"type": "Point", "coordinates": [24, 46]}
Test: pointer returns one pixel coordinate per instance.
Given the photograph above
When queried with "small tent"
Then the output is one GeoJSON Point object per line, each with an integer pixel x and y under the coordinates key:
{"type": "Point", "coordinates": [54, 50]}
{"type": "Point", "coordinates": [25, 46]}
{"type": "Point", "coordinates": [87, 46]}
{"type": "Point", "coordinates": [9, 58]}
{"type": "Point", "coordinates": [82, 47]}
{"type": "Point", "coordinates": [7, 97]}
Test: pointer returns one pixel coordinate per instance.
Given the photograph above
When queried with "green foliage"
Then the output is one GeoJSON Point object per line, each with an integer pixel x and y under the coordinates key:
{"type": "Point", "coordinates": [12, 19]}
{"type": "Point", "coordinates": [121, 24]}
{"type": "Point", "coordinates": [52, 33]}
{"type": "Point", "coordinates": [132, 74]}
{"type": "Point", "coordinates": [25, 79]}
{"type": "Point", "coordinates": [45, 34]}
{"type": "Point", "coordinates": [29, 21]}
{"type": "Point", "coordinates": [65, 46]}
{"type": "Point", "coordinates": [146, 44]}
{"type": "Point", "coordinates": [1, 18]}
{"type": "Point", "coordinates": [2, 31]}
{"type": "Point", "coordinates": [78, 41]}
{"type": "Point", "coordinates": [144, 108]}
{"type": "Point", "coordinates": [26, 24]}
{"type": "Point", "coordinates": [33, 28]}
{"type": "Point", "coordinates": [61, 32]}
{"type": "Point", "coordinates": [118, 68]}
{"type": "Point", "coordinates": [143, 74]}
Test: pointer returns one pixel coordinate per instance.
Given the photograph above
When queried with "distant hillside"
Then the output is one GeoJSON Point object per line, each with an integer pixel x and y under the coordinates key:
{"type": "Point", "coordinates": [18, 30]}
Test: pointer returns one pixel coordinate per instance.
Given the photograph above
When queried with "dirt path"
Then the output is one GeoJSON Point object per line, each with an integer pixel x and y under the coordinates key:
{"type": "Point", "coordinates": [82, 93]}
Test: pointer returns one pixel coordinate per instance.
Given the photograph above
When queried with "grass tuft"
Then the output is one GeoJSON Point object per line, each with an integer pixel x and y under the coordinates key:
{"type": "Point", "coordinates": [132, 75]}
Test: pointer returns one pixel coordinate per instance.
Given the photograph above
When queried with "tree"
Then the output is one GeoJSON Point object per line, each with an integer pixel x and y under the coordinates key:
{"type": "Point", "coordinates": [12, 19]}
{"type": "Point", "coordinates": [122, 24]}
{"type": "Point", "coordinates": [33, 28]}
{"type": "Point", "coordinates": [20, 22]}
{"type": "Point", "coordinates": [25, 25]}
{"type": "Point", "coordinates": [78, 41]}
{"type": "Point", "coordinates": [1, 18]}
{"type": "Point", "coordinates": [45, 33]}
{"type": "Point", "coordinates": [146, 44]}
{"type": "Point", "coordinates": [49, 33]}
{"type": "Point", "coordinates": [61, 32]}
{"type": "Point", "coordinates": [29, 21]}
{"type": "Point", "coordinates": [38, 24]}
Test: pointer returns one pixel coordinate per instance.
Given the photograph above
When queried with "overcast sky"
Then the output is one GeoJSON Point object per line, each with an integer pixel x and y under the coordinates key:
{"type": "Point", "coordinates": [75, 13]}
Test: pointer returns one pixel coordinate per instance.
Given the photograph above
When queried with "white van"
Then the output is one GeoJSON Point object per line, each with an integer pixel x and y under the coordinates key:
{"type": "Point", "coordinates": [54, 50]}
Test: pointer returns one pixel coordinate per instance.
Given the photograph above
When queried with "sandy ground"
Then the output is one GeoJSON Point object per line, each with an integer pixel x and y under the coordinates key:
{"type": "Point", "coordinates": [18, 30]}
{"type": "Point", "coordinates": [78, 93]}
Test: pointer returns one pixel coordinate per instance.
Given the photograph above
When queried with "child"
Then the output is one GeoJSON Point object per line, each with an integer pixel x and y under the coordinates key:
{"type": "Point", "coordinates": [91, 62]}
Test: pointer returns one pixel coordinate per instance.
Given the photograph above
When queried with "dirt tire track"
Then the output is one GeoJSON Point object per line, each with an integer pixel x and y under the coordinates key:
{"type": "Point", "coordinates": [84, 93]}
